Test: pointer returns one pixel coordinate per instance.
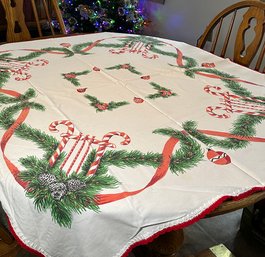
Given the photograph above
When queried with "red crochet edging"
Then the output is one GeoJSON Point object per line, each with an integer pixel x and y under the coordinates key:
{"type": "Point", "coordinates": [195, 219]}
{"type": "Point", "coordinates": [163, 231]}
{"type": "Point", "coordinates": [21, 243]}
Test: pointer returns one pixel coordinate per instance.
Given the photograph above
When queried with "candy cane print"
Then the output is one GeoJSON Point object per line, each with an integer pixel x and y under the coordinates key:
{"type": "Point", "coordinates": [146, 51]}
{"type": "Point", "coordinates": [250, 113]}
{"type": "Point", "coordinates": [102, 146]}
{"type": "Point", "coordinates": [233, 104]}
{"type": "Point", "coordinates": [136, 47]}
{"type": "Point", "coordinates": [77, 139]}
{"type": "Point", "coordinates": [65, 137]}
{"type": "Point", "coordinates": [77, 154]}
{"type": "Point", "coordinates": [209, 90]}
{"type": "Point", "coordinates": [39, 62]}
{"type": "Point", "coordinates": [246, 105]}
{"type": "Point", "coordinates": [90, 141]}
{"type": "Point", "coordinates": [210, 110]}
{"type": "Point", "coordinates": [121, 51]}
{"type": "Point", "coordinates": [22, 76]}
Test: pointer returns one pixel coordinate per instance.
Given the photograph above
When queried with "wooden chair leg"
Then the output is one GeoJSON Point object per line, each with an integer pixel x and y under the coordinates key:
{"type": "Point", "coordinates": [8, 245]}
{"type": "Point", "coordinates": [167, 245]}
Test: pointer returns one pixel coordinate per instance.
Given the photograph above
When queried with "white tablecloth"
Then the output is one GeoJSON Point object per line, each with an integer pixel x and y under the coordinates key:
{"type": "Point", "coordinates": [108, 140]}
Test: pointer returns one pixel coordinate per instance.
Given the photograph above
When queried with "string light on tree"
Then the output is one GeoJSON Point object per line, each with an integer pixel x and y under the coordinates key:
{"type": "Point", "coordinates": [125, 16]}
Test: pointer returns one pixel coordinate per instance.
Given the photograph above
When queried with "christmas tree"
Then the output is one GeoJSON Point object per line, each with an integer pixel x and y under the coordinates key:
{"type": "Point", "coordinates": [102, 15]}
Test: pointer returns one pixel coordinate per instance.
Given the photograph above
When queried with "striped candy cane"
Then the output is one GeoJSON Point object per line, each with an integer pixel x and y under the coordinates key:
{"type": "Point", "coordinates": [121, 51]}
{"type": "Point", "coordinates": [102, 146]}
{"type": "Point", "coordinates": [211, 110]}
{"type": "Point", "coordinates": [210, 90]}
{"type": "Point", "coordinates": [21, 75]}
{"type": "Point", "coordinates": [65, 137]}
{"type": "Point", "coordinates": [146, 51]}
{"type": "Point", "coordinates": [77, 138]}
{"type": "Point", "coordinates": [90, 140]}
{"type": "Point", "coordinates": [39, 62]}
{"type": "Point", "coordinates": [233, 104]}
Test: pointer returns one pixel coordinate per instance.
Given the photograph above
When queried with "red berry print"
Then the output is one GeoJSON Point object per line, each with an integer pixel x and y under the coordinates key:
{"type": "Point", "coordinates": [208, 65]}
{"type": "Point", "coordinates": [70, 76]}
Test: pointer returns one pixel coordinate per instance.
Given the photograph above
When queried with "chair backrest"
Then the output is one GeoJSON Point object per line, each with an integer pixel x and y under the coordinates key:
{"type": "Point", "coordinates": [18, 30]}
{"type": "Point", "coordinates": [239, 27]}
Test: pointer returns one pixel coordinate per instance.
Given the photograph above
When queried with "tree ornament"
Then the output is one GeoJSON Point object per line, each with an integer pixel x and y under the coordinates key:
{"type": "Point", "coordinates": [121, 11]}
{"type": "Point", "coordinates": [84, 11]}
{"type": "Point", "coordinates": [91, 16]}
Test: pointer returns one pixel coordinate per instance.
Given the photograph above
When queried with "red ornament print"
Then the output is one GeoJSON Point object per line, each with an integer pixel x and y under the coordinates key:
{"type": "Point", "coordinates": [81, 90]}
{"type": "Point", "coordinates": [96, 69]}
{"type": "Point", "coordinates": [65, 44]}
{"type": "Point", "coordinates": [218, 157]}
{"type": "Point", "coordinates": [138, 100]}
{"type": "Point", "coordinates": [147, 77]}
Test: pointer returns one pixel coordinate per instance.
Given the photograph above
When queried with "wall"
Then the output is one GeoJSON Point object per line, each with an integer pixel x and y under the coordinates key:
{"type": "Point", "coordinates": [182, 20]}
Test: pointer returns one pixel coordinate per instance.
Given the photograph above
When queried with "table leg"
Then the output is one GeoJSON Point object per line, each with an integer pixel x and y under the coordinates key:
{"type": "Point", "coordinates": [166, 245]}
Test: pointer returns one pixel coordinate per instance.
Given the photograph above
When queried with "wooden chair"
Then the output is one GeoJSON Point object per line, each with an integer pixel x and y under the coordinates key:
{"type": "Point", "coordinates": [8, 245]}
{"type": "Point", "coordinates": [239, 27]}
{"type": "Point", "coordinates": [18, 30]}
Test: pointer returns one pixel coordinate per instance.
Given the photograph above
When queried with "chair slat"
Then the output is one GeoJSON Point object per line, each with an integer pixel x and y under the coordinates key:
{"type": "Point", "coordinates": [48, 16]}
{"type": "Point", "coordinates": [16, 19]}
{"type": "Point", "coordinates": [228, 35]}
{"type": "Point", "coordinates": [36, 16]}
{"type": "Point", "coordinates": [261, 59]}
{"type": "Point", "coordinates": [217, 33]}
{"type": "Point", "coordinates": [247, 51]}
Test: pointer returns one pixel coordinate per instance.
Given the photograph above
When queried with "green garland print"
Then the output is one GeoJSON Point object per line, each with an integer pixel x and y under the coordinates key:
{"type": "Point", "coordinates": [125, 66]}
{"type": "Point", "coordinates": [61, 194]}
{"type": "Point", "coordinates": [102, 106]}
{"type": "Point", "coordinates": [72, 77]}
{"type": "Point", "coordinates": [162, 92]}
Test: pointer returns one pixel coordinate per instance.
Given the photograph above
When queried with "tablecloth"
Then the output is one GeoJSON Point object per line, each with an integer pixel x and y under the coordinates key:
{"type": "Point", "coordinates": [108, 140]}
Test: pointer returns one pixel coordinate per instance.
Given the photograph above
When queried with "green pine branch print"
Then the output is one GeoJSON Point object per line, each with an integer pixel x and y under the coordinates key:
{"type": "Point", "coordinates": [62, 194]}
{"type": "Point", "coordinates": [72, 77]}
{"type": "Point", "coordinates": [125, 66]}
{"type": "Point", "coordinates": [189, 154]}
{"type": "Point", "coordinates": [162, 92]}
{"type": "Point", "coordinates": [103, 106]}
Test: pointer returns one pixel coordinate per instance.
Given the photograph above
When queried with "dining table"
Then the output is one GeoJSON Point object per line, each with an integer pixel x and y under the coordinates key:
{"type": "Point", "coordinates": [108, 140]}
